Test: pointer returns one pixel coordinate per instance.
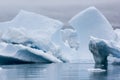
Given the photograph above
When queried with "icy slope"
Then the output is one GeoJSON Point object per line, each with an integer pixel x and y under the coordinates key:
{"type": "Point", "coordinates": [26, 54]}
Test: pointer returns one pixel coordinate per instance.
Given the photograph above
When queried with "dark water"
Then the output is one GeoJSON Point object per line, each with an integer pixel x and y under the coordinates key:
{"type": "Point", "coordinates": [61, 71]}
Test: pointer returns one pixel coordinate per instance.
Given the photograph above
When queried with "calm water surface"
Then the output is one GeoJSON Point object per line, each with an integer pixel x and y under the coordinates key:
{"type": "Point", "coordinates": [54, 71]}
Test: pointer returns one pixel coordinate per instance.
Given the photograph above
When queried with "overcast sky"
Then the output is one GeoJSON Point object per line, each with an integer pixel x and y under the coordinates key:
{"type": "Point", "coordinates": [59, 9]}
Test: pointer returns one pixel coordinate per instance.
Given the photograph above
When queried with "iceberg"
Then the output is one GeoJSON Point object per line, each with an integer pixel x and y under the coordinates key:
{"type": "Point", "coordinates": [101, 49]}
{"type": "Point", "coordinates": [90, 22]}
{"type": "Point", "coordinates": [28, 38]}
{"type": "Point", "coordinates": [42, 38]}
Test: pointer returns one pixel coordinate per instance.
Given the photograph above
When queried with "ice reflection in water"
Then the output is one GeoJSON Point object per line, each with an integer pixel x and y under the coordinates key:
{"type": "Point", "coordinates": [59, 71]}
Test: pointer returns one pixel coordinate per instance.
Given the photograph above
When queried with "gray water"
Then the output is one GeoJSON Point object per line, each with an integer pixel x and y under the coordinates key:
{"type": "Point", "coordinates": [62, 10]}
{"type": "Point", "coordinates": [61, 71]}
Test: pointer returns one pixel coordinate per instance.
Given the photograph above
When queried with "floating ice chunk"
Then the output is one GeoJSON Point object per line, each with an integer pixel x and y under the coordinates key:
{"type": "Point", "coordinates": [96, 70]}
{"type": "Point", "coordinates": [90, 22]}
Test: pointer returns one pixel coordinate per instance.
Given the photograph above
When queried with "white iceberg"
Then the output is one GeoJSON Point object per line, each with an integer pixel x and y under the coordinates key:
{"type": "Point", "coordinates": [90, 22]}
{"type": "Point", "coordinates": [96, 70]}
{"type": "Point", "coordinates": [34, 32]}
{"type": "Point", "coordinates": [40, 34]}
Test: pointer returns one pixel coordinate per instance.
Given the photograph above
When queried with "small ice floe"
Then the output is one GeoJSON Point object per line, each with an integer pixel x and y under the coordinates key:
{"type": "Point", "coordinates": [96, 70]}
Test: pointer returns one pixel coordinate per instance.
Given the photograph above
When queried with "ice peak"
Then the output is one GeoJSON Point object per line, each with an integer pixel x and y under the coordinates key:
{"type": "Point", "coordinates": [89, 17]}
{"type": "Point", "coordinates": [91, 22]}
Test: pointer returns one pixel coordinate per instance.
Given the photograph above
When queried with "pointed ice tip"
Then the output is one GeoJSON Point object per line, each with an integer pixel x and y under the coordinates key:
{"type": "Point", "coordinates": [93, 8]}
{"type": "Point", "coordinates": [88, 14]}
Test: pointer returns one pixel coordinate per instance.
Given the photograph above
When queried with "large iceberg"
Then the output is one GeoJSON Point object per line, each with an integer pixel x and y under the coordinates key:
{"type": "Point", "coordinates": [90, 22]}
{"type": "Point", "coordinates": [42, 39]}
{"type": "Point", "coordinates": [27, 38]}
